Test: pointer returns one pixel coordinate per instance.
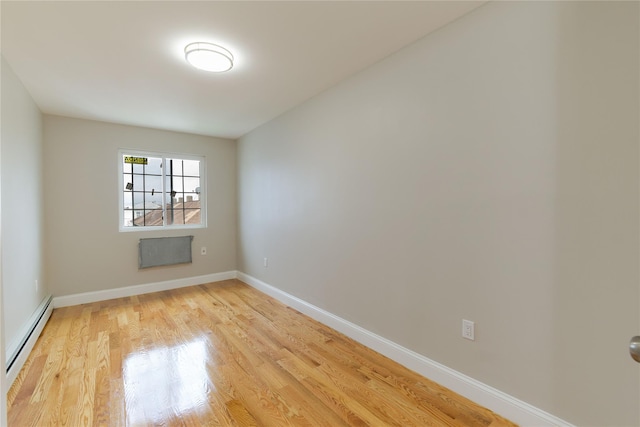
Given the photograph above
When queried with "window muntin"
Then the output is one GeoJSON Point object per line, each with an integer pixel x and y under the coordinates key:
{"type": "Point", "coordinates": [161, 191]}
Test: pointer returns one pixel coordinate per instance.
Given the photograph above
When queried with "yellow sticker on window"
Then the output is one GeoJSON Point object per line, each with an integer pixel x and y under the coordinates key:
{"type": "Point", "coordinates": [136, 160]}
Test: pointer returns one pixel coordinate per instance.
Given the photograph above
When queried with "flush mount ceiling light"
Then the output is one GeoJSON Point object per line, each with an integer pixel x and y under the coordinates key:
{"type": "Point", "coordinates": [208, 57]}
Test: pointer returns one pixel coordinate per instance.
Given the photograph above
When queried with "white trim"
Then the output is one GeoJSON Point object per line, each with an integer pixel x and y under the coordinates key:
{"type": "Point", "coordinates": [501, 403]}
{"type": "Point", "coordinates": [508, 406]}
{"type": "Point", "coordinates": [31, 338]}
{"type": "Point", "coordinates": [127, 291]}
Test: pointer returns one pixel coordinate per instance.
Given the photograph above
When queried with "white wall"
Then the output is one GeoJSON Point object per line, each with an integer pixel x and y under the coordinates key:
{"type": "Point", "coordinates": [3, 366]}
{"type": "Point", "coordinates": [487, 172]}
{"type": "Point", "coordinates": [22, 207]}
{"type": "Point", "coordinates": [85, 251]}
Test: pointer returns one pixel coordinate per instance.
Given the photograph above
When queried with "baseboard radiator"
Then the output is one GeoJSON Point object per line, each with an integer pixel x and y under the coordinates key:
{"type": "Point", "coordinates": [18, 351]}
{"type": "Point", "coordinates": [159, 251]}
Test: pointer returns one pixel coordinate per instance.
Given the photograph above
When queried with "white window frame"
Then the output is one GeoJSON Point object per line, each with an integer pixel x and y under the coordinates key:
{"type": "Point", "coordinates": [164, 155]}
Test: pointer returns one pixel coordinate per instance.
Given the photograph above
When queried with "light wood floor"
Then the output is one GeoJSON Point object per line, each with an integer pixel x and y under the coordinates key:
{"type": "Point", "coordinates": [218, 354]}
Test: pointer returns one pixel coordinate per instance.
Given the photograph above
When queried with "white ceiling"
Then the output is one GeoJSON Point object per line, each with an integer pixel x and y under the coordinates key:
{"type": "Point", "coordinates": [123, 61]}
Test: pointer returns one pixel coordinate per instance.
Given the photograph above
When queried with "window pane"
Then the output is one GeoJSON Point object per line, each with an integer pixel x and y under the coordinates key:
{"type": "Point", "coordinates": [128, 200]}
{"type": "Point", "coordinates": [179, 199]}
{"type": "Point", "coordinates": [190, 184]}
{"type": "Point", "coordinates": [149, 218]}
{"type": "Point", "coordinates": [127, 179]}
{"type": "Point", "coordinates": [178, 215]}
{"type": "Point", "coordinates": [138, 183]}
{"type": "Point", "coordinates": [153, 183]}
{"type": "Point", "coordinates": [192, 197]}
{"type": "Point", "coordinates": [152, 201]}
{"type": "Point", "coordinates": [138, 168]}
{"type": "Point", "coordinates": [174, 214]}
{"type": "Point", "coordinates": [154, 166]}
{"type": "Point", "coordinates": [191, 167]}
{"type": "Point", "coordinates": [192, 216]}
{"type": "Point", "coordinates": [128, 218]}
{"type": "Point", "coordinates": [177, 167]}
{"type": "Point", "coordinates": [177, 184]}
{"type": "Point", "coordinates": [138, 198]}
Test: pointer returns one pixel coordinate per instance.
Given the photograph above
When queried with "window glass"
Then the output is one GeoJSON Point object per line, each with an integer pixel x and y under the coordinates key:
{"type": "Point", "coordinates": [160, 191]}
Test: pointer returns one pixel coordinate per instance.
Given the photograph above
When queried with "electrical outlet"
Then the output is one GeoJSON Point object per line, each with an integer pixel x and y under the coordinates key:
{"type": "Point", "coordinates": [265, 262]}
{"type": "Point", "coordinates": [37, 287]}
{"type": "Point", "coordinates": [203, 250]}
{"type": "Point", "coordinates": [468, 329]}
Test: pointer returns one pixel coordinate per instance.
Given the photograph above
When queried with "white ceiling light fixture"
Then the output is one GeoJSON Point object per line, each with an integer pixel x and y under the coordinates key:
{"type": "Point", "coordinates": [208, 57]}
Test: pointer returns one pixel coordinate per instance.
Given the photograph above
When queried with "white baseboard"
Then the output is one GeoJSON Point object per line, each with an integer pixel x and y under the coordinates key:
{"type": "Point", "coordinates": [127, 291]}
{"type": "Point", "coordinates": [20, 350]}
{"type": "Point", "coordinates": [499, 402]}
{"type": "Point", "coordinates": [508, 406]}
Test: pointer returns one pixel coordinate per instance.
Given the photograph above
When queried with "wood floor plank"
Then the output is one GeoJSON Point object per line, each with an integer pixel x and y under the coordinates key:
{"type": "Point", "coordinates": [218, 354]}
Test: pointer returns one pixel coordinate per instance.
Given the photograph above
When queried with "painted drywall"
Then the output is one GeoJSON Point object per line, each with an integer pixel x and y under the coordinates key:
{"type": "Point", "coordinates": [85, 251]}
{"type": "Point", "coordinates": [487, 172]}
{"type": "Point", "coordinates": [22, 208]}
{"type": "Point", "coordinates": [3, 365]}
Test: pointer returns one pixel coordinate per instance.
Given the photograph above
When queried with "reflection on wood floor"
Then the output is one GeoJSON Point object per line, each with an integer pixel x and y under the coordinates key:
{"type": "Point", "coordinates": [219, 354]}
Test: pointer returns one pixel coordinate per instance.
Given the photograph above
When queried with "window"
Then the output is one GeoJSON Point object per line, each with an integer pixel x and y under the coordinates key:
{"type": "Point", "coordinates": [159, 190]}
